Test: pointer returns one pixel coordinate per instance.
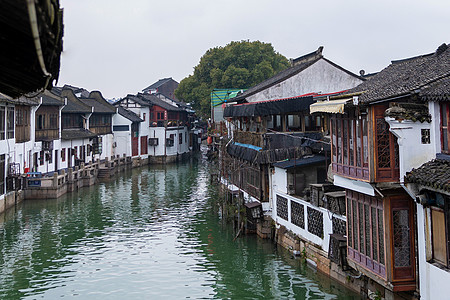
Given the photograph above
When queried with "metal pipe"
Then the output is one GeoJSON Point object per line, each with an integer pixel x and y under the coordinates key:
{"type": "Point", "coordinates": [37, 42]}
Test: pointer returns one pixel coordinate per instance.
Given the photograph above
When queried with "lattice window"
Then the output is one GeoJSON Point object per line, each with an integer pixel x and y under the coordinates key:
{"type": "Point", "coordinates": [383, 144]}
{"type": "Point", "coordinates": [367, 228]}
{"type": "Point", "coordinates": [381, 236]}
{"type": "Point", "coordinates": [365, 231]}
{"type": "Point", "coordinates": [350, 145]}
{"type": "Point", "coordinates": [349, 225]}
{"type": "Point", "coordinates": [425, 136]}
{"type": "Point", "coordinates": [374, 233]}
{"type": "Point", "coordinates": [298, 214]}
{"type": "Point", "coordinates": [345, 141]}
{"type": "Point", "coordinates": [339, 226]}
{"type": "Point", "coordinates": [361, 228]}
{"type": "Point", "coordinates": [282, 207]}
{"type": "Point", "coordinates": [402, 246]}
{"type": "Point", "coordinates": [315, 222]}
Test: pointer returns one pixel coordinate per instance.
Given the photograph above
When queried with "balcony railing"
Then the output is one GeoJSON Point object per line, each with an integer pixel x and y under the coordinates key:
{"type": "Point", "coordinates": [252, 138]}
{"type": "Point", "coordinates": [47, 134]}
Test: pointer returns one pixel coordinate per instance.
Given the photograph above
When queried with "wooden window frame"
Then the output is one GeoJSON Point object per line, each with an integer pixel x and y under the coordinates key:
{"type": "Point", "coordinates": [2, 122]}
{"type": "Point", "coordinates": [402, 274]}
{"type": "Point", "coordinates": [445, 130]}
{"type": "Point", "coordinates": [445, 209]}
{"type": "Point", "coordinates": [144, 144]}
{"type": "Point", "coordinates": [382, 173]}
{"type": "Point", "coordinates": [10, 122]}
{"type": "Point", "coordinates": [358, 240]}
{"type": "Point", "coordinates": [345, 155]}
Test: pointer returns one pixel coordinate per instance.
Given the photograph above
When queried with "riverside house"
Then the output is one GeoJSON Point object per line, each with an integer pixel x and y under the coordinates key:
{"type": "Point", "coordinates": [278, 154]}
{"type": "Point", "coordinates": [164, 129]}
{"type": "Point", "coordinates": [383, 129]}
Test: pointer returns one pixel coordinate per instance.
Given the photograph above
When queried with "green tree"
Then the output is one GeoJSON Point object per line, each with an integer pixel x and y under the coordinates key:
{"type": "Point", "coordinates": [237, 65]}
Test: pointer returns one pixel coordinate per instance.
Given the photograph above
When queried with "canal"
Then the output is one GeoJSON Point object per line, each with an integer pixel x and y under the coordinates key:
{"type": "Point", "coordinates": [150, 233]}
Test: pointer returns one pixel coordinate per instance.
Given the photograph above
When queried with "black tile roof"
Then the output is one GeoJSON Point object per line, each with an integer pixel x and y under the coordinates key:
{"type": "Point", "coordinates": [156, 101]}
{"type": "Point", "coordinates": [19, 101]}
{"type": "Point", "coordinates": [129, 114]}
{"type": "Point", "coordinates": [74, 105]}
{"type": "Point", "coordinates": [158, 84]}
{"type": "Point", "coordinates": [76, 133]}
{"type": "Point", "coordinates": [77, 90]}
{"type": "Point", "coordinates": [434, 174]}
{"type": "Point", "coordinates": [26, 101]}
{"type": "Point", "coordinates": [405, 76]}
{"type": "Point", "coordinates": [136, 99]}
{"type": "Point", "coordinates": [49, 98]}
{"type": "Point", "coordinates": [437, 91]}
{"type": "Point", "coordinates": [99, 106]}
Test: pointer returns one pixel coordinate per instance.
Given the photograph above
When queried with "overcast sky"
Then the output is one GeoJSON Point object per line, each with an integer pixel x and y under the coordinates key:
{"type": "Point", "coordinates": [120, 47]}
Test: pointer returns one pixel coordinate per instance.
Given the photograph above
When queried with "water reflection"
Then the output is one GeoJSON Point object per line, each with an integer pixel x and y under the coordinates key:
{"type": "Point", "coordinates": [151, 233]}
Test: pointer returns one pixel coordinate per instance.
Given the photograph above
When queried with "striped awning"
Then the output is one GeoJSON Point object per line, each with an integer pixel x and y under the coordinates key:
{"type": "Point", "coordinates": [332, 106]}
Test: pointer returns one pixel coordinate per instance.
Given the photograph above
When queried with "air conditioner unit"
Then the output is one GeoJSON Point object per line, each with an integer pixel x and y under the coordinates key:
{"type": "Point", "coordinates": [291, 189]}
{"type": "Point", "coordinates": [169, 142]}
{"type": "Point", "coordinates": [153, 141]}
{"type": "Point", "coordinates": [47, 145]}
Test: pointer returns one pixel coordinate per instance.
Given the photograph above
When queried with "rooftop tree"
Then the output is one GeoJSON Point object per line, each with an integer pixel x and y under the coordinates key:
{"type": "Point", "coordinates": [237, 65]}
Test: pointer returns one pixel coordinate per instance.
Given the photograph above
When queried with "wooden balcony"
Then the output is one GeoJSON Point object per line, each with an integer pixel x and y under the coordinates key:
{"type": "Point", "coordinates": [101, 129]}
{"type": "Point", "coordinates": [22, 134]}
{"type": "Point", "coordinates": [47, 134]}
{"type": "Point", "coordinates": [246, 137]}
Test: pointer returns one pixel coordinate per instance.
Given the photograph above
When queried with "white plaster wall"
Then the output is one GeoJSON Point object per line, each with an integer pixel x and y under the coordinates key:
{"type": "Point", "coordinates": [23, 155]}
{"type": "Point", "coordinates": [435, 130]}
{"type": "Point", "coordinates": [70, 144]}
{"type": "Point", "coordinates": [107, 146]}
{"type": "Point", "coordinates": [159, 133]}
{"type": "Point", "coordinates": [123, 143]}
{"type": "Point", "coordinates": [433, 281]}
{"type": "Point", "coordinates": [412, 152]}
{"type": "Point", "coordinates": [122, 139]}
{"type": "Point", "coordinates": [321, 77]}
{"type": "Point", "coordinates": [304, 233]}
{"type": "Point", "coordinates": [279, 187]}
{"type": "Point", "coordinates": [48, 166]}
{"type": "Point", "coordinates": [178, 148]}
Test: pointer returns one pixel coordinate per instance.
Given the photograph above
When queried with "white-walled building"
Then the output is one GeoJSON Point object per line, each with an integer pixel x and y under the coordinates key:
{"type": "Point", "coordinates": [163, 134]}
{"type": "Point", "coordinates": [126, 125]}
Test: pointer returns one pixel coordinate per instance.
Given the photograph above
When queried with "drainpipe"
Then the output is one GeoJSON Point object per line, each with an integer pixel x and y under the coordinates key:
{"type": "Point", "coordinates": [37, 42]}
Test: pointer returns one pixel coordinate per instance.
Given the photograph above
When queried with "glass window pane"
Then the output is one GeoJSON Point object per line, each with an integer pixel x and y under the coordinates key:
{"type": "Point", "coordinates": [381, 235]}
{"type": "Point", "coordinates": [374, 233]}
{"type": "Point", "coordinates": [345, 141]}
{"type": "Point", "coordinates": [367, 229]}
{"type": "Point", "coordinates": [402, 246]}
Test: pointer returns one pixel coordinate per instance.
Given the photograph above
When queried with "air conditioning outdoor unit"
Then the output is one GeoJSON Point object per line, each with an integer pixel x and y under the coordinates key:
{"type": "Point", "coordinates": [47, 145]}
{"type": "Point", "coordinates": [169, 142]}
{"type": "Point", "coordinates": [153, 141]}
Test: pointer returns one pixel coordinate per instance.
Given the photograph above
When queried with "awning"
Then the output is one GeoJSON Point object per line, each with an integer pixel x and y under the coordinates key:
{"type": "Point", "coordinates": [269, 107]}
{"type": "Point", "coordinates": [304, 161]}
{"type": "Point", "coordinates": [332, 106]}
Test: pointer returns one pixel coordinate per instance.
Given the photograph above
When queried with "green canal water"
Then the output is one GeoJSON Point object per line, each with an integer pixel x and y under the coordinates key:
{"type": "Point", "coordinates": [151, 233]}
